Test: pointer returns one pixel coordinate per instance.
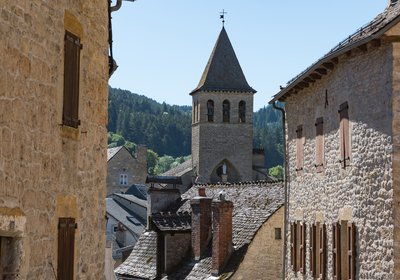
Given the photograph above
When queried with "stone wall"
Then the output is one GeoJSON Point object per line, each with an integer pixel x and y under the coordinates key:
{"type": "Point", "coordinates": [48, 170]}
{"type": "Point", "coordinates": [263, 259]}
{"type": "Point", "coordinates": [213, 142]}
{"type": "Point", "coordinates": [124, 163]}
{"type": "Point", "coordinates": [363, 192]}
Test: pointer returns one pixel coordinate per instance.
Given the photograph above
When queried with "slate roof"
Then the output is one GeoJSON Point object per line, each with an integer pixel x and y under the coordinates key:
{"type": "Point", "coordinates": [172, 221]}
{"type": "Point", "coordinates": [128, 219]}
{"type": "Point", "coordinates": [374, 29]}
{"type": "Point", "coordinates": [180, 169]}
{"type": "Point", "coordinates": [254, 203]}
{"type": "Point", "coordinates": [111, 152]}
{"type": "Point", "coordinates": [132, 198]}
{"type": "Point", "coordinates": [140, 191]}
{"type": "Point", "coordinates": [223, 71]}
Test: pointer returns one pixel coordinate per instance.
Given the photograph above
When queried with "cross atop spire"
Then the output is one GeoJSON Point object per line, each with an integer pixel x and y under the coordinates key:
{"type": "Point", "coordinates": [222, 16]}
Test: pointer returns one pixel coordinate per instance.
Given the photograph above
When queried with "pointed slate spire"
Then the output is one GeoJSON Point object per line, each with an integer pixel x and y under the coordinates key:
{"type": "Point", "coordinates": [223, 71]}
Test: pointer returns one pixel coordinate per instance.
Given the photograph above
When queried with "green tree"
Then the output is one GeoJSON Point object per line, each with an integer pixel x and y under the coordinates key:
{"type": "Point", "coordinates": [276, 171]}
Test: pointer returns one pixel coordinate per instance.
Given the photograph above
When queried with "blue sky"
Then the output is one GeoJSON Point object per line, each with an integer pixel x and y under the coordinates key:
{"type": "Point", "coordinates": [162, 46]}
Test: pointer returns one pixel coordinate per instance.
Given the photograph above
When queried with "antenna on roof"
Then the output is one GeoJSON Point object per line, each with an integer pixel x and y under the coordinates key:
{"type": "Point", "coordinates": [222, 16]}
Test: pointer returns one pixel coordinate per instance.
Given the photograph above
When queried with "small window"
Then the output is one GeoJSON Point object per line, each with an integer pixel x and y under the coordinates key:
{"type": "Point", "coordinates": [242, 111]}
{"type": "Point", "coordinates": [123, 179]}
{"type": "Point", "coordinates": [278, 233]}
{"type": "Point", "coordinates": [72, 47]}
{"type": "Point", "coordinates": [226, 111]}
{"type": "Point", "coordinates": [210, 110]}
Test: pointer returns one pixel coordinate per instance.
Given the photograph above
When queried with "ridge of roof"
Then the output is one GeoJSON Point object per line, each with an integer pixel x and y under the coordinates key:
{"type": "Point", "coordinates": [223, 71]}
{"type": "Point", "coordinates": [370, 31]}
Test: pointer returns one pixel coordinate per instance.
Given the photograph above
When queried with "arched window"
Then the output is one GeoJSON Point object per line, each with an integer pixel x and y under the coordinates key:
{"type": "Point", "coordinates": [210, 110]}
{"type": "Point", "coordinates": [242, 111]}
{"type": "Point", "coordinates": [225, 111]}
{"type": "Point", "coordinates": [194, 112]}
{"type": "Point", "coordinates": [198, 111]}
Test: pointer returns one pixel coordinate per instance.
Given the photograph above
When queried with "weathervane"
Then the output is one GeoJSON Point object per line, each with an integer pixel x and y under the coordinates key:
{"type": "Point", "coordinates": [222, 16]}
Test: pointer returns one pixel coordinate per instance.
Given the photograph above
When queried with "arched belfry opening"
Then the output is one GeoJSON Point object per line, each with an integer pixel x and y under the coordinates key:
{"type": "Point", "coordinates": [225, 171]}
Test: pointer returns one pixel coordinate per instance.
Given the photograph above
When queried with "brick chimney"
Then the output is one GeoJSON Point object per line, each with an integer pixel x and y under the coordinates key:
{"type": "Point", "coordinates": [201, 223]}
{"type": "Point", "coordinates": [222, 234]}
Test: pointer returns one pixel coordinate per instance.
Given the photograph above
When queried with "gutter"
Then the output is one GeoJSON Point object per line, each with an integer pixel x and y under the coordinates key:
{"type": "Point", "coordinates": [285, 178]}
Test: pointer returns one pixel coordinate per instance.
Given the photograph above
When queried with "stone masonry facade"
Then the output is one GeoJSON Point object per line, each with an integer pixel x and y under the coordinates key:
{"type": "Point", "coordinates": [48, 170]}
{"type": "Point", "coordinates": [364, 192]}
{"type": "Point", "coordinates": [214, 142]}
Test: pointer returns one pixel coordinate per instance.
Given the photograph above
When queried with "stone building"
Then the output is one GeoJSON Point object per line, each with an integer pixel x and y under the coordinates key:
{"type": "Point", "coordinates": [343, 150]}
{"type": "Point", "coordinates": [124, 169]}
{"type": "Point", "coordinates": [53, 140]}
{"type": "Point", "coordinates": [222, 124]}
{"type": "Point", "coordinates": [213, 231]}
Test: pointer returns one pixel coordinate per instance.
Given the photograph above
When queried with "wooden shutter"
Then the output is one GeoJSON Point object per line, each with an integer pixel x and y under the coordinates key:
{"type": "Point", "coordinates": [322, 252]}
{"type": "Point", "coordinates": [72, 49]}
{"type": "Point", "coordinates": [66, 242]}
{"type": "Point", "coordinates": [336, 246]}
{"type": "Point", "coordinates": [299, 149]}
{"type": "Point", "coordinates": [293, 246]}
{"type": "Point", "coordinates": [319, 145]}
{"type": "Point", "coordinates": [344, 135]}
{"type": "Point", "coordinates": [351, 250]}
{"type": "Point", "coordinates": [314, 250]}
{"type": "Point", "coordinates": [302, 248]}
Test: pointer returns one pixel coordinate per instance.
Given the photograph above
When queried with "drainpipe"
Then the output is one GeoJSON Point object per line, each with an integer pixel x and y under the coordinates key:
{"type": "Point", "coordinates": [285, 176]}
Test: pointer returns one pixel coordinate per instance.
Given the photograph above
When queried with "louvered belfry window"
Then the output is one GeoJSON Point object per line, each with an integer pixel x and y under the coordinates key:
{"type": "Point", "coordinates": [72, 48]}
{"type": "Point", "coordinates": [66, 242]}
{"type": "Point", "coordinates": [344, 135]}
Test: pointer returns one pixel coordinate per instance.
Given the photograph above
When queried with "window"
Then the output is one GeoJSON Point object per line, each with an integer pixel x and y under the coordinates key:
{"type": "Point", "coordinates": [319, 145]}
{"type": "Point", "coordinates": [8, 258]}
{"type": "Point", "coordinates": [344, 135]}
{"type": "Point", "coordinates": [115, 228]}
{"type": "Point", "coordinates": [344, 250]}
{"type": "Point", "coordinates": [210, 110]}
{"type": "Point", "coordinates": [193, 112]}
{"type": "Point", "coordinates": [278, 233]}
{"type": "Point", "coordinates": [66, 244]}
{"type": "Point", "coordinates": [123, 179]}
{"type": "Point", "coordinates": [226, 111]}
{"type": "Point", "coordinates": [242, 111]}
{"type": "Point", "coordinates": [72, 47]}
{"type": "Point", "coordinates": [198, 111]}
{"type": "Point", "coordinates": [299, 149]}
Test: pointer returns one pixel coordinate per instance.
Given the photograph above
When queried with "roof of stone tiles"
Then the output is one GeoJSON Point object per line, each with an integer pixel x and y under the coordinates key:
{"type": "Point", "coordinates": [180, 169]}
{"type": "Point", "coordinates": [111, 152]}
{"type": "Point", "coordinates": [374, 29]}
{"type": "Point", "coordinates": [133, 223]}
{"type": "Point", "coordinates": [223, 71]}
{"type": "Point", "coordinates": [138, 190]}
{"type": "Point", "coordinates": [172, 221]}
{"type": "Point", "coordinates": [132, 198]}
{"type": "Point", "coordinates": [254, 203]}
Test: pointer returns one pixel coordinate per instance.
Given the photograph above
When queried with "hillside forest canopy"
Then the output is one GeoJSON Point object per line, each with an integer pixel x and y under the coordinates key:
{"type": "Point", "coordinates": [166, 130]}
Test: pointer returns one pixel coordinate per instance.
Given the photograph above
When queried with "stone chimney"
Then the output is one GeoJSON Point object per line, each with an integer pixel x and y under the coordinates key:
{"type": "Point", "coordinates": [201, 223]}
{"type": "Point", "coordinates": [141, 159]}
{"type": "Point", "coordinates": [159, 200]}
{"type": "Point", "coordinates": [222, 233]}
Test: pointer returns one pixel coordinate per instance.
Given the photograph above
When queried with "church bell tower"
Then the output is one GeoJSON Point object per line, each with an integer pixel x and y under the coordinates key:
{"type": "Point", "coordinates": [222, 118]}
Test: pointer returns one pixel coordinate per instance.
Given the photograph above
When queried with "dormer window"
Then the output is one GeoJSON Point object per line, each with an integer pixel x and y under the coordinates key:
{"type": "Point", "coordinates": [226, 111]}
{"type": "Point", "coordinates": [242, 111]}
{"type": "Point", "coordinates": [210, 110]}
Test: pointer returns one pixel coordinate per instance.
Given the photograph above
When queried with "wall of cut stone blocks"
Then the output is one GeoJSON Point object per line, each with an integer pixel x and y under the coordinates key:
{"type": "Point", "coordinates": [48, 170]}
{"type": "Point", "coordinates": [363, 192]}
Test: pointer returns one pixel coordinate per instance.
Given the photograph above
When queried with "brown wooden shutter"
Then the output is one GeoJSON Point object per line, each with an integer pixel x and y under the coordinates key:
{"type": "Point", "coordinates": [66, 242]}
{"type": "Point", "coordinates": [72, 49]}
{"type": "Point", "coordinates": [344, 135]}
{"type": "Point", "coordinates": [319, 145]}
{"type": "Point", "coordinates": [336, 246]}
{"type": "Point", "coordinates": [314, 250]}
{"type": "Point", "coordinates": [293, 240]}
{"type": "Point", "coordinates": [351, 250]}
{"type": "Point", "coordinates": [322, 252]}
{"type": "Point", "coordinates": [302, 248]}
{"type": "Point", "coordinates": [299, 149]}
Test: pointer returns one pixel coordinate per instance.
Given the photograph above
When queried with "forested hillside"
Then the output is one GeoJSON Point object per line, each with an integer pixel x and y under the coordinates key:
{"type": "Point", "coordinates": [166, 129]}
{"type": "Point", "coordinates": [163, 128]}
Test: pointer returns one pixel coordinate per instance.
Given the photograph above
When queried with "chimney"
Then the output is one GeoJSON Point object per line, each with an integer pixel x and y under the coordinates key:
{"type": "Point", "coordinates": [201, 223]}
{"type": "Point", "coordinates": [222, 233]}
{"type": "Point", "coordinates": [159, 200]}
